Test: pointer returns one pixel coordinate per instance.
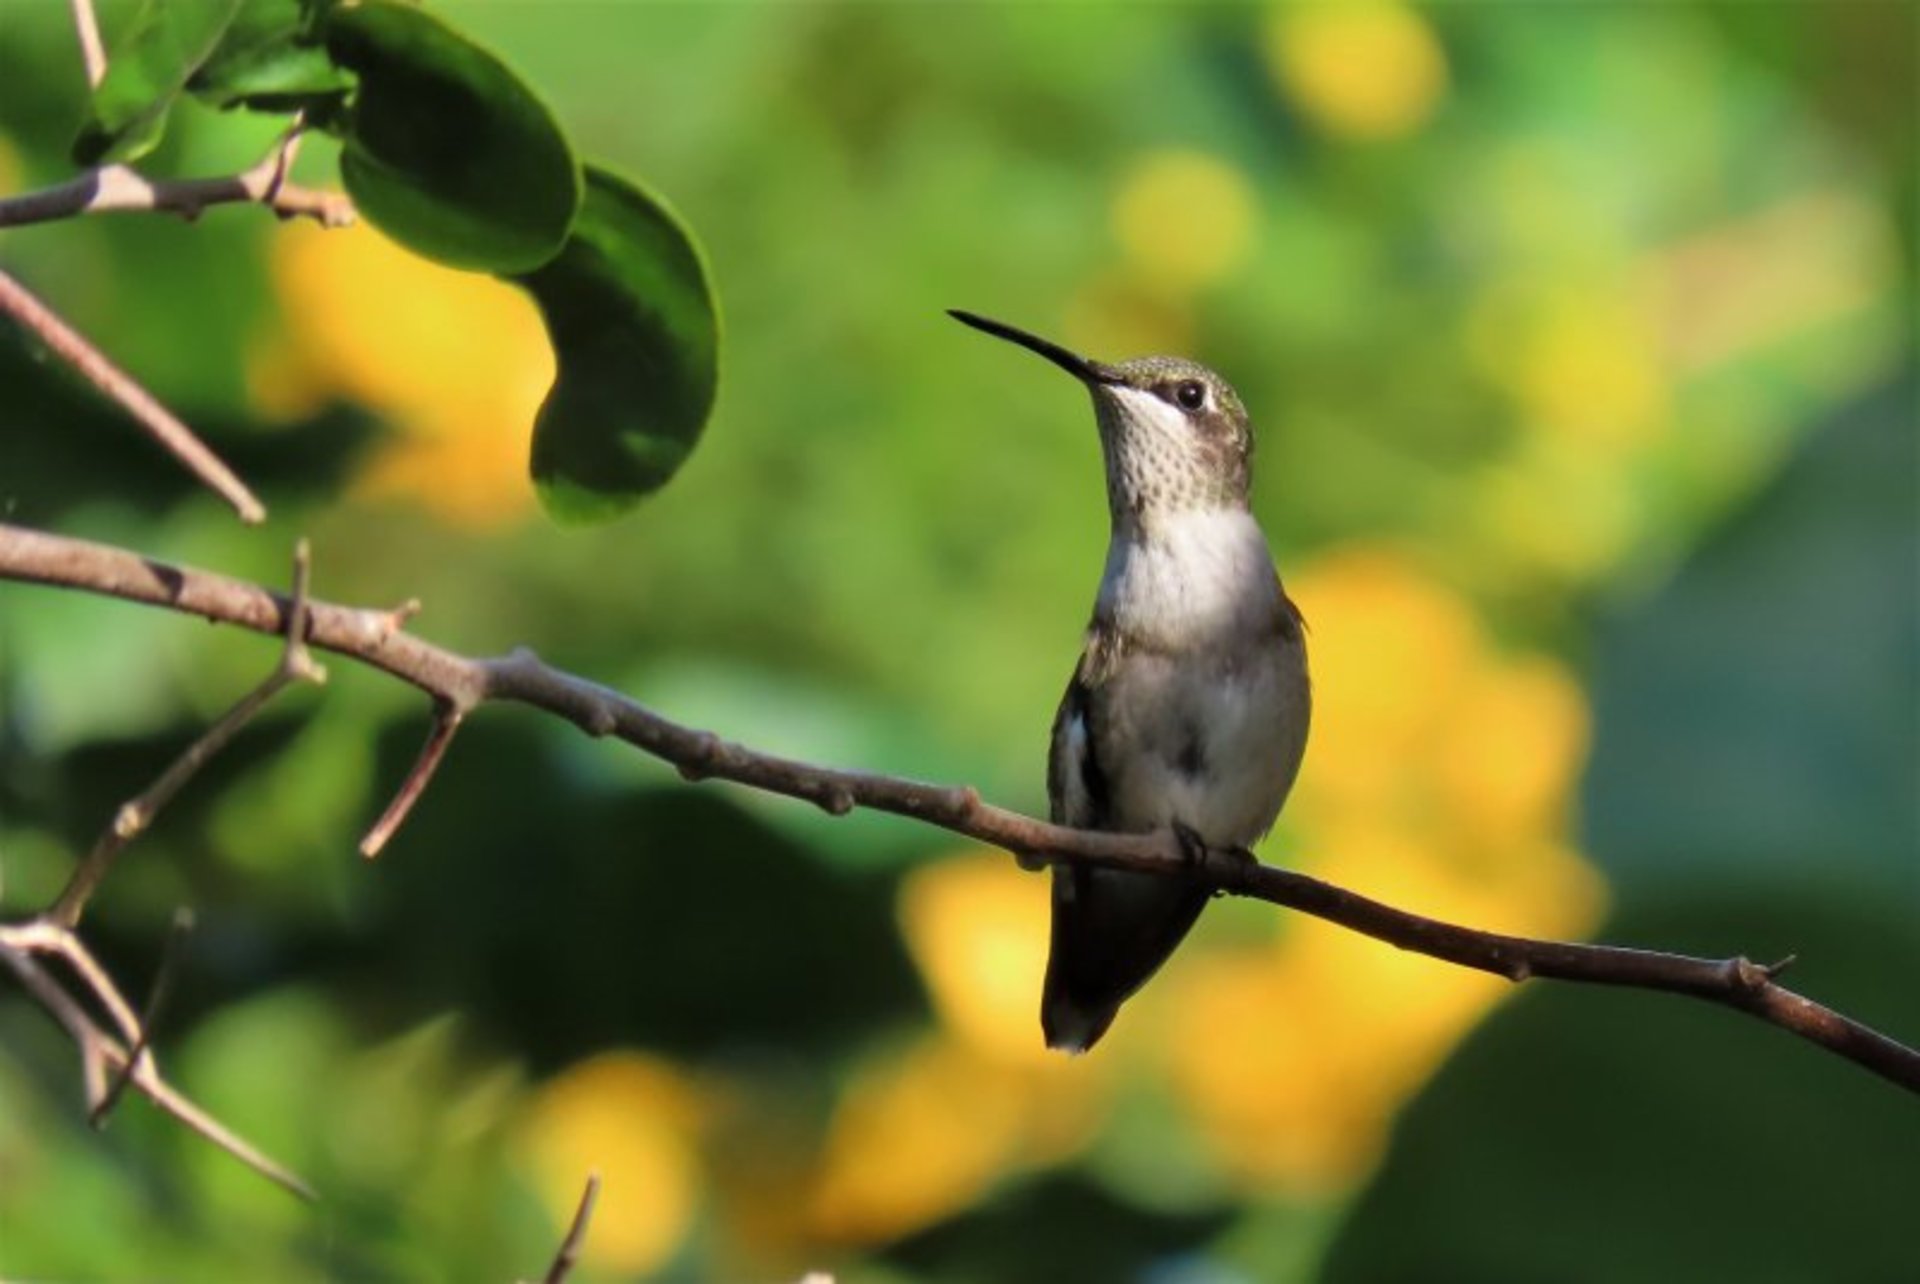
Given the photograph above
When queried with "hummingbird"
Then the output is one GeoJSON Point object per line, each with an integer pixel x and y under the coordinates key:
{"type": "Point", "coordinates": [1189, 708]}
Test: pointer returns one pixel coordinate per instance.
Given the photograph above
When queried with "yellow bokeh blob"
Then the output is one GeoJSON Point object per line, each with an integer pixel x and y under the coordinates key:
{"type": "Point", "coordinates": [1437, 779]}
{"type": "Point", "coordinates": [1294, 1060]}
{"type": "Point", "coordinates": [1589, 368]}
{"type": "Point", "coordinates": [977, 927]}
{"type": "Point", "coordinates": [1363, 69]}
{"type": "Point", "coordinates": [1183, 219]}
{"type": "Point", "coordinates": [1510, 769]}
{"type": "Point", "coordinates": [632, 1118]}
{"type": "Point", "coordinates": [456, 362]}
{"type": "Point", "coordinates": [922, 1132]}
{"type": "Point", "coordinates": [1387, 647]}
{"type": "Point", "coordinates": [916, 1138]}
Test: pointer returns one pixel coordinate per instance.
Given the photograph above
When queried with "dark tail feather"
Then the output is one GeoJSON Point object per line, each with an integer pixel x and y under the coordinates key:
{"type": "Point", "coordinates": [1071, 1027]}
{"type": "Point", "coordinates": [1112, 929]}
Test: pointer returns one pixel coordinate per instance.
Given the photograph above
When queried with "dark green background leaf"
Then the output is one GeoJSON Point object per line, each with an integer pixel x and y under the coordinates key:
{"type": "Point", "coordinates": [445, 149]}
{"type": "Point", "coordinates": [264, 61]}
{"type": "Point", "coordinates": [145, 72]}
{"type": "Point", "coordinates": [636, 333]}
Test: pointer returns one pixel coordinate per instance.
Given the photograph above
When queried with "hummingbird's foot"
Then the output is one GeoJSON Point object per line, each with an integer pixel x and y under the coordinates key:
{"type": "Point", "coordinates": [1244, 861]}
{"type": "Point", "coordinates": [1193, 848]}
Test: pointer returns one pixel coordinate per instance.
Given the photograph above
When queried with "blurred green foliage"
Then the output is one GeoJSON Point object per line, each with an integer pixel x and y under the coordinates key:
{"type": "Point", "coordinates": [1595, 320]}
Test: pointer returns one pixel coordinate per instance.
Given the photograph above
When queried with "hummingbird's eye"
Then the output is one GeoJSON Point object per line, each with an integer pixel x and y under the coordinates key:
{"type": "Point", "coordinates": [1191, 394]}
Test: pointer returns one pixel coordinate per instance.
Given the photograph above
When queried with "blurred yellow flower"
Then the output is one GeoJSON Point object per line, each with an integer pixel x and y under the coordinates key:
{"type": "Point", "coordinates": [1364, 69]}
{"type": "Point", "coordinates": [978, 929]}
{"type": "Point", "coordinates": [1183, 219]}
{"type": "Point", "coordinates": [1437, 779]}
{"type": "Point", "coordinates": [632, 1118]}
{"type": "Point", "coordinates": [1387, 647]}
{"type": "Point", "coordinates": [457, 362]}
{"type": "Point", "coordinates": [1588, 368]}
{"type": "Point", "coordinates": [916, 1137]}
{"type": "Point", "coordinates": [1512, 770]}
{"type": "Point", "coordinates": [1295, 1059]}
{"type": "Point", "coordinates": [922, 1131]}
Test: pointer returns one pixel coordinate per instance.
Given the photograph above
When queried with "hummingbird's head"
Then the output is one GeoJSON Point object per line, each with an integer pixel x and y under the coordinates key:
{"type": "Point", "coordinates": [1174, 433]}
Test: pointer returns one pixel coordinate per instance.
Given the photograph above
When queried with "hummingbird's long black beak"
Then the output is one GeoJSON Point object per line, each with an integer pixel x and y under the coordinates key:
{"type": "Point", "coordinates": [1073, 363]}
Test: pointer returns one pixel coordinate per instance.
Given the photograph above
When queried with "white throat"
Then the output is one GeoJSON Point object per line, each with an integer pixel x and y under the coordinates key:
{"type": "Point", "coordinates": [1188, 578]}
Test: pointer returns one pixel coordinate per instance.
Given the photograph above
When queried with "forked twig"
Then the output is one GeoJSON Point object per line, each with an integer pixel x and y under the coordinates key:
{"type": "Point", "coordinates": [101, 1054]}
{"type": "Point", "coordinates": [110, 1064]}
{"type": "Point", "coordinates": [296, 665]}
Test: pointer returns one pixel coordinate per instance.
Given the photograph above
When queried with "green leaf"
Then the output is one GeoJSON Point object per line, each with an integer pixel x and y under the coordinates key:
{"type": "Point", "coordinates": [266, 61]}
{"type": "Point", "coordinates": [636, 334]}
{"type": "Point", "coordinates": [445, 149]}
{"type": "Point", "coordinates": [146, 71]}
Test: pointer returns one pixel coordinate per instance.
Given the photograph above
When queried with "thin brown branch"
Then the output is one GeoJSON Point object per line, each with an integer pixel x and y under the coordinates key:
{"type": "Point", "coordinates": [161, 424]}
{"type": "Point", "coordinates": [447, 717]}
{"type": "Point", "coordinates": [521, 678]}
{"type": "Point", "coordinates": [296, 665]}
{"type": "Point", "coordinates": [93, 53]}
{"type": "Point", "coordinates": [101, 1053]}
{"type": "Point", "coordinates": [568, 1254]}
{"type": "Point", "coordinates": [121, 188]}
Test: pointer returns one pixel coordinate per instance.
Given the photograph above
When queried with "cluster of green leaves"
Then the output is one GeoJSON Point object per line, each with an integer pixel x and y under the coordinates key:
{"type": "Point", "coordinates": [448, 152]}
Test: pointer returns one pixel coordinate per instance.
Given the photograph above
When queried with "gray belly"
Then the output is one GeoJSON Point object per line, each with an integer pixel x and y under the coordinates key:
{"type": "Point", "coordinates": [1206, 741]}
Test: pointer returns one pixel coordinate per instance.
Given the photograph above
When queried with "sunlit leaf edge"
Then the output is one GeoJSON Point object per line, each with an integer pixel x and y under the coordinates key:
{"type": "Point", "coordinates": [647, 455]}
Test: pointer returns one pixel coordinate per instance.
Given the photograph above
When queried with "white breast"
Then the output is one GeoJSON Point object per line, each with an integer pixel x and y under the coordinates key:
{"type": "Point", "coordinates": [1205, 718]}
{"type": "Point", "coordinates": [1188, 578]}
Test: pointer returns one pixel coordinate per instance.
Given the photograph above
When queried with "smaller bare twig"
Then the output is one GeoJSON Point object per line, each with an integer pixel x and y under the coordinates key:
{"type": "Point", "coordinates": [156, 998]}
{"type": "Point", "coordinates": [169, 1099]}
{"type": "Point", "coordinates": [447, 717]}
{"type": "Point", "coordinates": [161, 424]}
{"type": "Point", "coordinates": [568, 1254]}
{"type": "Point", "coordinates": [296, 665]}
{"type": "Point", "coordinates": [93, 53]}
